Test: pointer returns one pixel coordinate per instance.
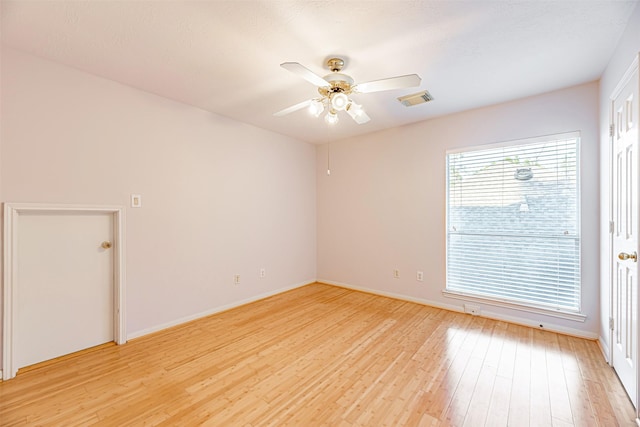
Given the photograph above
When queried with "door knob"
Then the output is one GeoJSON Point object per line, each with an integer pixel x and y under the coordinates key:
{"type": "Point", "coordinates": [625, 256]}
{"type": "Point", "coordinates": [106, 244]}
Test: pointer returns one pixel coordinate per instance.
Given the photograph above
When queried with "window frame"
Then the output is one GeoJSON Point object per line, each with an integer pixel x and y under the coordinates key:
{"type": "Point", "coordinates": [505, 302]}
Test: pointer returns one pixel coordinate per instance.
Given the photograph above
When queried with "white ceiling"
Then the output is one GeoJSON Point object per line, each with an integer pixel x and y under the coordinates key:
{"type": "Point", "coordinates": [224, 56]}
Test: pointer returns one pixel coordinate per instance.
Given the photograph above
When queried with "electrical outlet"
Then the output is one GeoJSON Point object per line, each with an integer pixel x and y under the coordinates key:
{"type": "Point", "coordinates": [263, 272]}
{"type": "Point", "coordinates": [236, 279]}
{"type": "Point", "coordinates": [420, 276]}
{"type": "Point", "coordinates": [396, 274]}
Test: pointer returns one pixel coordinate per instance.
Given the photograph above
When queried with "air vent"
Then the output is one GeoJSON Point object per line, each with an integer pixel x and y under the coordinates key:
{"type": "Point", "coordinates": [416, 98]}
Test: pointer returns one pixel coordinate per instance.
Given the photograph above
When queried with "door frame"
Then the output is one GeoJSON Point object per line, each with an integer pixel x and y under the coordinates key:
{"type": "Point", "coordinates": [614, 94]}
{"type": "Point", "coordinates": [10, 262]}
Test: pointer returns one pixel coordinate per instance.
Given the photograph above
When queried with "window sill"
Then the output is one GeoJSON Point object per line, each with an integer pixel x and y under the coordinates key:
{"type": "Point", "coordinates": [577, 317]}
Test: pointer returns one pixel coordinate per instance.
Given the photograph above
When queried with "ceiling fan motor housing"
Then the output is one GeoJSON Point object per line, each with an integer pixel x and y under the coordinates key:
{"type": "Point", "coordinates": [338, 83]}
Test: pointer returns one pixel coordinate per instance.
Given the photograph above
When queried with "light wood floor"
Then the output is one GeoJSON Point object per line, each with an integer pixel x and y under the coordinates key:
{"type": "Point", "coordinates": [322, 355]}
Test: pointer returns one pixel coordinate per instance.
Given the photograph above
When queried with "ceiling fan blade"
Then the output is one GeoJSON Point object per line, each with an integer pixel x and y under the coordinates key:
{"type": "Point", "coordinates": [400, 82]}
{"type": "Point", "coordinates": [293, 108]}
{"type": "Point", "coordinates": [361, 118]}
{"type": "Point", "coordinates": [357, 113]}
{"type": "Point", "coordinates": [305, 73]}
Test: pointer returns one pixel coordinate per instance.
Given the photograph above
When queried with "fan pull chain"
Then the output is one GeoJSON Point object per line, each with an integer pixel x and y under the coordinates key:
{"type": "Point", "coordinates": [328, 151]}
{"type": "Point", "coordinates": [329, 158]}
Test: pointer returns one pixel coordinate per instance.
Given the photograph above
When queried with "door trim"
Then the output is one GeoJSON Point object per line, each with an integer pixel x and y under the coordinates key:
{"type": "Point", "coordinates": [10, 239]}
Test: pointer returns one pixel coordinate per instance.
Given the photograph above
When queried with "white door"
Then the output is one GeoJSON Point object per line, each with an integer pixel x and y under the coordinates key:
{"type": "Point", "coordinates": [64, 293]}
{"type": "Point", "coordinates": [625, 233]}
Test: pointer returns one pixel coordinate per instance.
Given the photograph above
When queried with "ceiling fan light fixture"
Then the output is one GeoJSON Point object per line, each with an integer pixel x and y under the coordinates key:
{"type": "Point", "coordinates": [316, 107]}
{"type": "Point", "coordinates": [331, 117]}
{"type": "Point", "coordinates": [339, 101]}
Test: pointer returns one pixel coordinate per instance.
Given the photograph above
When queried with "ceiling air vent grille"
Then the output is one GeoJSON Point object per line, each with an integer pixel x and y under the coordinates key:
{"type": "Point", "coordinates": [416, 98]}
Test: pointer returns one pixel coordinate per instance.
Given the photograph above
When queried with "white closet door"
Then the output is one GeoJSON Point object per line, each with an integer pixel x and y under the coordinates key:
{"type": "Point", "coordinates": [65, 284]}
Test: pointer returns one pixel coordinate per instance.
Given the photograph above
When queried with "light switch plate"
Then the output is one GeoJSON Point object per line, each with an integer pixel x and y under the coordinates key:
{"type": "Point", "coordinates": [136, 201]}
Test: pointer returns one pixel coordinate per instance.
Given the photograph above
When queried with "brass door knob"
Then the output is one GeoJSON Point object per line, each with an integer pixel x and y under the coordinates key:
{"type": "Point", "coordinates": [625, 256]}
{"type": "Point", "coordinates": [106, 244]}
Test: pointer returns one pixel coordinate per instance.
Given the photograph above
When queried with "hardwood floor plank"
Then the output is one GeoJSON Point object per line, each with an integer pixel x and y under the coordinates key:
{"type": "Point", "coordinates": [447, 375]}
{"type": "Point", "coordinates": [480, 401]}
{"type": "Point", "coordinates": [498, 412]}
{"type": "Point", "coordinates": [321, 355]}
{"type": "Point", "coordinates": [558, 391]}
{"type": "Point", "coordinates": [459, 405]}
{"type": "Point", "coordinates": [540, 404]}
{"type": "Point", "coordinates": [520, 402]}
{"type": "Point", "coordinates": [602, 408]}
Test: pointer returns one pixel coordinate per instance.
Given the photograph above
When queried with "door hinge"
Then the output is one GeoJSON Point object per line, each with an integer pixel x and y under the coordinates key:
{"type": "Point", "coordinates": [611, 323]}
{"type": "Point", "coordinates": [611, 227]}
{"type": "Point", "coordinates": [612, 129]}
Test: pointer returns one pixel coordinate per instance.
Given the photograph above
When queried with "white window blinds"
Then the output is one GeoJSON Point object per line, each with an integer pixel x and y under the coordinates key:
{"type": "Point", "coordinates": [513, 231]}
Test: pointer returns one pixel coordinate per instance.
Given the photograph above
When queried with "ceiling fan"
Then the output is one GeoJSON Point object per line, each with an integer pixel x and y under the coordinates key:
{"type": "Point", "coordinates": [335, 88]}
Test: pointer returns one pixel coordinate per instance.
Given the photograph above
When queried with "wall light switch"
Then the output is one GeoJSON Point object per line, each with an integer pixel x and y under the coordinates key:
{"type": "Point", "coordinates": [136, 201]}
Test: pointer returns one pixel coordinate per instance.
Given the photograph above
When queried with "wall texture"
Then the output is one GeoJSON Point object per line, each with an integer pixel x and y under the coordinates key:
{"type": "Point", "coordinates": [383, 206]}
{"type": "Point", "coordinates": [219, 197]}
{"type": "Point", "coordinates": [628, 48]}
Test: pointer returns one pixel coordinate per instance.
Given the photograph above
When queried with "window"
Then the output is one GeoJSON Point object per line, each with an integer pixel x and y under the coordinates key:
{"type": "Point", "coordinates": [513, 223]}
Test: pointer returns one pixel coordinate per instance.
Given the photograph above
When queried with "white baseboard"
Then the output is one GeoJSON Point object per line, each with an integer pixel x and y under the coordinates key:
{"type": "Point", "coordinates": [460, 309]}
{"type": "Point", "coordinates": [451, 307]}
{"type": "Point", "coordinates": [604, 348]}
{"type": "Point", "coordinates": [215, 310]}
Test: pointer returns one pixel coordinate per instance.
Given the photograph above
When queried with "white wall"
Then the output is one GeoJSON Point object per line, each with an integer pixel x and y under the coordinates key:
{"type": "Point", "coordinates": [219, 197]}
{"type": "Point", "coordinates": [383, 206]}
{"type": "Point", "coordinates": [628, 48]}
{"type": "Point", "coordinates": [223, 198]}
